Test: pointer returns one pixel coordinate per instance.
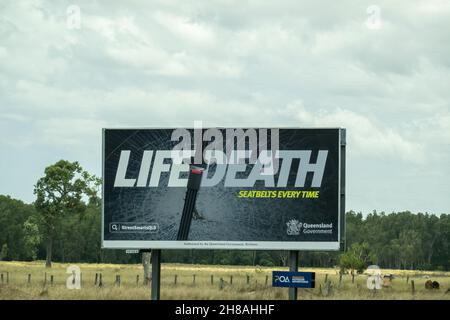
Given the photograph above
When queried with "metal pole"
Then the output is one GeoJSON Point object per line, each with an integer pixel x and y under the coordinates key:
{"type": "Point", "coordinates": [343, 238]}
{"type": "Point", "coordinates": [293, 267]}
{"type": "Point", "coordinates": [156, 274]}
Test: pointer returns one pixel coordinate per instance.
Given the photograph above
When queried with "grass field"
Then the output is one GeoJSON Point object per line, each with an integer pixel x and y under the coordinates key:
{"type": "Point", "coordinates": [14, 283]}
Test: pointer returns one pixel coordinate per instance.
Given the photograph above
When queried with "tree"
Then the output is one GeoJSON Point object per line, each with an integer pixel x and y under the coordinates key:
{"type": "Point", "coordinates": [357, 258]}
{"type": "Point", "coordinates": [409, 242]}
{"type": "Point", "coordinates": [397, 240]}
{"type": "Point", "coordinates": [3, 251]}
{"type": "Point", "coordinates": [61, 191]}
{"type": "Point", "coordinates": [32, 237]}
{"type": "Point", "coordinates": [13, 214]}
{"type": "Point", "coordinates": [146, 261]}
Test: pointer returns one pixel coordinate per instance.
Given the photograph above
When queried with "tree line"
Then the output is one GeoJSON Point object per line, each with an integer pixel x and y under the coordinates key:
{"type": "Point", "coordinates": [64, 225]}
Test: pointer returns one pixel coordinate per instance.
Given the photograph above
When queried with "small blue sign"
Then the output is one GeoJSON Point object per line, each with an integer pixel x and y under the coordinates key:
{"type": "Point", "coordinates": [293, 279]}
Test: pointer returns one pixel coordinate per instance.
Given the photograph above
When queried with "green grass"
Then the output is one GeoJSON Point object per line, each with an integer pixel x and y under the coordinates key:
{"type": "Point", "coordinates": [18, 287]}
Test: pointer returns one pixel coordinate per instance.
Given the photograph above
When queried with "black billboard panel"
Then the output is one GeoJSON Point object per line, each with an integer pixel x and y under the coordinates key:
{"type": "Point", "coordinates": [223, 188]}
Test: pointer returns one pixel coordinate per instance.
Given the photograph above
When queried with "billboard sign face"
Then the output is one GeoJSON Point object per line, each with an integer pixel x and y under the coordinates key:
{"type": "Point", "coordinates": [223, 188]}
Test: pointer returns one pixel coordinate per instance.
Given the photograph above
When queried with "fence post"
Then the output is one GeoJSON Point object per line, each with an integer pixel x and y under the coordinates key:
{"type": "Point", "coordinates": [1, 276]}
{"type": "Point", "coordinates": [100, 282]}
{"type": "Point", "coordinates": [413, 289]}
{"type": "Point", "coordinates": [212, 279]}
{"type": "Point", "coordinates": [407, 278]}
{"type": "Point", "coordinates": [29, 278]}
{"type": "Point", "coordinates": [221, 284]}
{"type": "Point", "coordinates": [327, 288]}
{"type": "Point", "coordinates": [267, 280]}
{"type": "Point", "coordinates": [51, 280]}
{"type": "Point", "coordinates": [248, 279]}
{"type": "Point", "coordinates": [137, 280]}
{"type": "Point", "coordinates": [7, 277]}
{"type": "Point", "coordinates": [231, 279]}
{"type": "Point", "coordinates": [193, 279]}
{"type": "Point", "coordinates": [326, 277]}
{"type": "Point", "coordinates": [175, 279]}
{"type": "Point", "coordinates": [340, 278]}
{"type": "Point", "coordinates": [96, 279]}
{"type": "Point", "coordinates": [45, 279]}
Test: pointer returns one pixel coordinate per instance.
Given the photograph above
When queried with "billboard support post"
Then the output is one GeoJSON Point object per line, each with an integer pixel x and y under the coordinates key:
{"type": "Point", "coordinates": [343, 241]}
{"type": "Point", "coordinates": [156, 274]}
{"type": "Point", "coordinates": [293, 267]}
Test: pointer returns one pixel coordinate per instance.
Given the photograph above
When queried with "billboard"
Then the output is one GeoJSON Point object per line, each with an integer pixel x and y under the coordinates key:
{"type": "Point", "coordinates": [224, 188]}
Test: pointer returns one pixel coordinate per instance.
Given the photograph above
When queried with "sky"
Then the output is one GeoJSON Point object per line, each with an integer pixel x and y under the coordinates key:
{"type": "Point", "coordinates": [380, 69]}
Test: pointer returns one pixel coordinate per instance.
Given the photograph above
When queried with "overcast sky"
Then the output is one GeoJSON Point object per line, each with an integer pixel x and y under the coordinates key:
{"type": "Point", "coordinates": [378, 68]}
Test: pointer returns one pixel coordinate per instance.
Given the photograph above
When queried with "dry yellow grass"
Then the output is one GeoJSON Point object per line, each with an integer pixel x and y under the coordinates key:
{"type": "Point", "coordinates": [18, 287]}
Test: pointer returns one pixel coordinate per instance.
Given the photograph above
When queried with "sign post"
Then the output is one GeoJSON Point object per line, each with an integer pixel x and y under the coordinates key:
{"type": "Point", "coordinates": [343, 141]}
{"type": "Point", "coordinates": [156, 274]}
{"type": "Point", "coordinates": [293, 267]}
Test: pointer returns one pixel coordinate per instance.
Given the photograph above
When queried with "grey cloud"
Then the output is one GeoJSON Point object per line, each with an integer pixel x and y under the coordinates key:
{"type": "Point", "coordinates": [234, 63]}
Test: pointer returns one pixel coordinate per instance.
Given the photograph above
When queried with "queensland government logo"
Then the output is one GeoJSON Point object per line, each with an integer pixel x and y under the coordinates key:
{"type": "Point", "coordinates": [293, 227]}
